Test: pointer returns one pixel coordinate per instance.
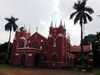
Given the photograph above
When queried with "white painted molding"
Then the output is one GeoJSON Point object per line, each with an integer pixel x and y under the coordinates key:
{"type": "Point", "coordinates": [50, 35]}
{"type": "Point", "coordinates": [60, 35]}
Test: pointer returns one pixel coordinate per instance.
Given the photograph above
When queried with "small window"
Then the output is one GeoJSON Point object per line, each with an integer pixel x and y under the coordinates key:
{"type": "Point", "coordinates": [35, 44]}
{"type": "Point", "coordinates": [54, 37]}
{"type": "Point", "coordinates": [44, 58]}
{"type": "Point", "coordinates": [54, 57]}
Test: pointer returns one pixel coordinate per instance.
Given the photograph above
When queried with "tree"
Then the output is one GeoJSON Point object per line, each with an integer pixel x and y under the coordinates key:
{"type": "Point", "coordinates": [89, 38]}
{"type": "Point", "coordinates": [94, 39]}
{"type": "Point", "coordinates": [11, 25]}
{"type": "Point", "coordinates": [82, 15]}
{"type": "Point", "coordinates": [3, 52]}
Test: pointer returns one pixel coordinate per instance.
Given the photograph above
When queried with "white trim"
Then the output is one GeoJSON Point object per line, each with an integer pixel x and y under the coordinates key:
{"type": "Point", "coordinates": [17, 54]}
{"type": "Point", "coordinates": [22, 38]}
{"type": "Point", "coordinates": [54, 45]}
{"type": "Point", "coordinates": [25, 41]}
{"type": "Point", "coordinates": [50, 35]}
{"type": "Point", "coordinates": [14, 38]}
{"type": "Point", "coordinates": [41, 40]}
{"type": "Point", "coordinates": [28, 41]}
{"type": "Point", "coordinates": [30, 54]}
{"type": "Point", "coordinates": [40, 47]}
{"type": "Point", "coordinates": [60, 35]}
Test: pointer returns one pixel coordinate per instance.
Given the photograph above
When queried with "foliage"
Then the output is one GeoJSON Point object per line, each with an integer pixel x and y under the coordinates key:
{"type": "Point", "coordinates": [3, 52]}
{"type": "Point", "coordinates": [82, 12]}
{"type": "Point", "coordinates": [89, 38]}
{"type": "Point", "coordinates": [11, 24]}
{"type": "Point", "coordinates": [8, 27]}
{"type": "Point", "coordinates": [94, 39]}
{"type": "Point", "coordinates": [82, 15]}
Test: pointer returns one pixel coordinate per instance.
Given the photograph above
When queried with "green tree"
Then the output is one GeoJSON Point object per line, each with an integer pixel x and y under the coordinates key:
{"type": "Point", "coordinates": [11, 25]}
{"type": "Point", "coordinates": [82, 15]}
{"type": "Point", "coordinates": [3, 52]}
{"type": "Point", "coordinates": [89, 38]}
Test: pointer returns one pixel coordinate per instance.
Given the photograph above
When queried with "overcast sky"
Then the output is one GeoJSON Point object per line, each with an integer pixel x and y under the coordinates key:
{"type": "Point", "coordinates": [40, 13]}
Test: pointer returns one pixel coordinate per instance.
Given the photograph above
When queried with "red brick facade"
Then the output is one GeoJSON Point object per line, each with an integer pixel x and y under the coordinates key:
{"type": "Point", "coordinates": [36, 50]}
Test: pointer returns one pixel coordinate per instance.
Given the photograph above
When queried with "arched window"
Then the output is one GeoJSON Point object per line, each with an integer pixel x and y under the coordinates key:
{"type": "Point", "coordinates": [23, 59]}
{"type": "Point", "coordinates": [35, 44]}
{"type": "Point", "coordinates": [22, 42]}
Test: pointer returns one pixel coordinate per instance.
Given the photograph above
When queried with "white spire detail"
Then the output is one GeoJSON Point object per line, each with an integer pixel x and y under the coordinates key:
{"type": "Point", "coordinates": [64, 24]}
{"type": "Point", "coordinates": [51, 24]}
{"type": "Point", "coordinates": [61, 22]}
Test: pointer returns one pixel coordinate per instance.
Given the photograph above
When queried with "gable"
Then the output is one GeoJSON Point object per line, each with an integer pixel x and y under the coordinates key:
{"type": "Point", "coordinates": [36, 41]}
{"type": "Point", "coordinates": [37, 36]}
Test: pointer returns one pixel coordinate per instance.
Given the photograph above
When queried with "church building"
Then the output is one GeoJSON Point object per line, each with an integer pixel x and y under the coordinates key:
{"type": "Point", "coordinates": [55, 51]}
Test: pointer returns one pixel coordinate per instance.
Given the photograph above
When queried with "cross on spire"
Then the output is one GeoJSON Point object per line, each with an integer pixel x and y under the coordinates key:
{"type": "Point", "coordinates": [36, 29]}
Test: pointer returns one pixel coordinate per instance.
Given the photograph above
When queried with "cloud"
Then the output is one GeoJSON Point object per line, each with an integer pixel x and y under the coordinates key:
{"type": "Point", "coordinates": [39, 13]}
{"type": "Point", "coordinates": [66, 8]}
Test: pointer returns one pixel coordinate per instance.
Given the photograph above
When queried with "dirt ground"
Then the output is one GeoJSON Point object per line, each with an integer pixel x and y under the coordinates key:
{"type": "Point", "coordinates": [39, 71]}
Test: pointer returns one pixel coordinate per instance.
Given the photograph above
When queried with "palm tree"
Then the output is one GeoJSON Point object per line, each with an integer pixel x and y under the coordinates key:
{"type": "Point", "coordinates": [82, 16]}
{"type": "Point", "coordinates": [11, 25]}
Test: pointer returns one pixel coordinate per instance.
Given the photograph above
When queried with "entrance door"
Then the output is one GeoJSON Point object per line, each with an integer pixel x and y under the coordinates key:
{"type": "Point", "coordinates": [23, 60]}
{"type": "Point", "coordinates": [36, 60]}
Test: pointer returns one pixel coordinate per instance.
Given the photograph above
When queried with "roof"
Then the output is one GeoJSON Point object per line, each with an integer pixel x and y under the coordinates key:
{"type": "Point", "coordinates": [38, 34]}
{"type": "Point", "coordinates": [86, 48]}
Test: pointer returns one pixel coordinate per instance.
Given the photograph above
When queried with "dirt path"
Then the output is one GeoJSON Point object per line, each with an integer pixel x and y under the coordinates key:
{"type": "Point", "coordinates": [40, 72]}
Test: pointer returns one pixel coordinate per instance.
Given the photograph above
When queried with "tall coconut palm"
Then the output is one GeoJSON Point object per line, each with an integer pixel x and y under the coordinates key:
{"type": "Point", "coordinates": [82, 16]}
{"type": "Point", "coordinates": [11, 25]}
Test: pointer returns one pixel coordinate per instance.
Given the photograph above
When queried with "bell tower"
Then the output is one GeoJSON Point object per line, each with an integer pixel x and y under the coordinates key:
{"type": "Point", "coordinates": [57, 43]}
{"type": "Point", "coordinates": [20, 39]}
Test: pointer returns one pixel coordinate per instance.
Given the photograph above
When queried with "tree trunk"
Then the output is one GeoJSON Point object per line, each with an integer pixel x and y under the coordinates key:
{"type": "Point", "coordinates": [82, 59]}
{"type": "Point", "coordinates": [8, 45]}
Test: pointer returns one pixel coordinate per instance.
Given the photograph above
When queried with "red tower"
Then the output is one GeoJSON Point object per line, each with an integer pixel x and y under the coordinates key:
{"type": "Point", "coordinates": [57, 45]}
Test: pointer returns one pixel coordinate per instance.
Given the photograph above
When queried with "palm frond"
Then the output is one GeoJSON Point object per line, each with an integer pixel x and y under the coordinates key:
{"type": "Point", "coordinates": [8, 27]}
{"type": "Point", "coordinates": [72, 15]}
{"type": "Point", "coordinates": [89, 10]}
{"type": "Point", "coordinates": [7, 19]}
{"type": "Point", "coordinates": [77, 18]}
{"type": "Point", "coordinates": [11, 24]}
{"type": "Point", "coordinates": [14, 19]}
{"type": "Point", "coordinates": [15, 27]}
{"type": "Point", "coordinates": [84, 19]}
{"type": "Point", "coordinates": [88, 16]}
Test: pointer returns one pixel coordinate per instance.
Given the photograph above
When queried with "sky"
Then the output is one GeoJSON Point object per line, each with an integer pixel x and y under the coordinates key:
{"type": "Point", "coordinates": [39, 14]}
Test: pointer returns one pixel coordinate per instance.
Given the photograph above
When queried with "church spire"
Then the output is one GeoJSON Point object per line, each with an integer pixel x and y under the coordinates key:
{"type": "Point", "coordinates": [55, 25]}
{"type": "Point", "coordinates": [51, 24]}
{"type": "Point", "coordinates": [61, 22]}
{"type": "Point", "coordinates": [64, 24]}
{"type": "Point", "coordinates": [29, 30]}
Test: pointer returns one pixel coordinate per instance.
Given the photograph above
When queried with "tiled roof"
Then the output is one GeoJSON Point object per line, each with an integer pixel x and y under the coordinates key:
{"type": "Point", "coordinates": [86, 48]}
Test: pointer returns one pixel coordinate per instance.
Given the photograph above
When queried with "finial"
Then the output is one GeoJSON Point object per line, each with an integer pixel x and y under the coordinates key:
{"type": "Point", "coordinates": [64, 24]}
{"type": "Point", "coordinates": [68, 36]}
{"type": "Point", "coordinates": [51, 24]}
{"type": "Point", "coordinates": [55, 25]}
{"type": "Point", "coordinates": [61, 22]}
{"type": "Point", "coordinates": [29, 30]}
{"type": "Point", "coordinates": [36, 29]}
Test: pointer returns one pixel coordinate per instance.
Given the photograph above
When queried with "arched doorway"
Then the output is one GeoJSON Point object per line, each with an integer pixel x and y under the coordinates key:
{"type": "Point", "coordinates": [36, 60]}
{"type": "Point", "coordinates": [23, 60]}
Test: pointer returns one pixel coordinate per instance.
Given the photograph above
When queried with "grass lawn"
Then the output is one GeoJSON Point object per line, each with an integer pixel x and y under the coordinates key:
{"type": "Point", "coordinates": [12, 70]}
